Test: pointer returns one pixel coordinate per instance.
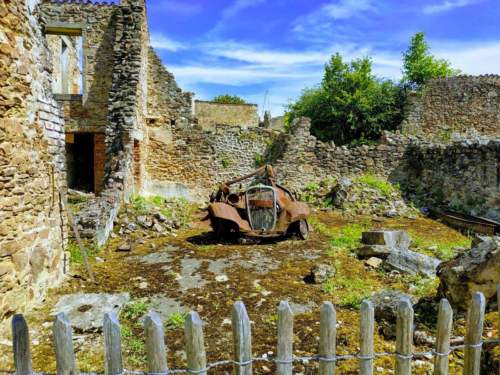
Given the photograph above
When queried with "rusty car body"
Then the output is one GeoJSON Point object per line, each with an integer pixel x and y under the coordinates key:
{"type": "Point", "coordinates": [262, 209]}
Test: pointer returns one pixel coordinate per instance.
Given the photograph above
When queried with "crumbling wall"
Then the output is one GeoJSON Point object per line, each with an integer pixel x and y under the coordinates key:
{"type": "Point", "coordinates": [210, 114]}
{"type": "Point", "coordinates": [464, 175]}
{"type": "Point", "coordinates": [98, 25]}
{"type": "Point", "coordinates": [32, 163]}
{"type": "Point", "coordinates": [167, 103]}
{"type": "Point", "coordinates": [193, 161]}
{"type": "Point", "coordinates": [304, 159]}
{"type": "Point", "coordinates": [126, 118]}
{"type": "Point", "coordinates": [458, 106]}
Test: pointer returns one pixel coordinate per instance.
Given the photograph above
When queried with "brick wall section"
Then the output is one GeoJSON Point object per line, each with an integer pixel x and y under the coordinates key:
{"type": "Point", "coordinates": [32, 164]}
{"type": "Point", "coordinates": [210, 114]}
{"type": "Point", "coordinates": [457, 106]}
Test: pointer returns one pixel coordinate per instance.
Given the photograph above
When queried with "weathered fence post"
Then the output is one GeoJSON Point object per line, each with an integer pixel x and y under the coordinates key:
{"type": "Point", "coordinates": [366, 331]}
{"type": "Point", "coordinates": [404, 337]}
{"type": "Point", "coordinates": [21, 345]}
{"type": "Point", "coordinates": [63, 340]}
{"type": "Point", "coordinates": [327, 339]}
{"type": "Point", "coordinates": [473, 343]}
{"type": "Point", "coordinates": [242, 340]}
{"type": "Point", "coordinates": [155, 343]}
{"type": "Point", "coordinates": [444, 325]}
{"type": "Point", "coordinates": [284, 359]}
{"type": "Point", "coordinates": [195, 346]}
{"type": "Point", "coordinates": [112, 345]}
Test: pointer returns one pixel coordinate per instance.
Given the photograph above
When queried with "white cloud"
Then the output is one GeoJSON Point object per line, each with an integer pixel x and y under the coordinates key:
{"type": "Point", "coordinates": [319, 25]}
{"type": "Point", "coordinates": [260, 55]}
{"type": "Point", "coordinates": [163, 42]}
{"type": "Point", "coordinates": [448, 5]}
{"type": "Point", "coordinates": [470, 58]}
{"type": "Point", "coordinates": [232, 10]}
{"type": "Point", "coordinates": [231, 76]}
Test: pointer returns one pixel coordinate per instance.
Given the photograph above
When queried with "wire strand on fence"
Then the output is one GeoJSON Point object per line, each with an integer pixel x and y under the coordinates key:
{"type": "Point", "coordinates": [269, 359]}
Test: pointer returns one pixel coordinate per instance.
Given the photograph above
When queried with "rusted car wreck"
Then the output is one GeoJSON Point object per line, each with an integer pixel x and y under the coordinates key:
{"type": "Point", "coordinates": [263, 209]}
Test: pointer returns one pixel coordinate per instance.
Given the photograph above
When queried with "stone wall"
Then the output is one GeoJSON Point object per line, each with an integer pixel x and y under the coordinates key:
{"type": "Point", "coordinates": [125, 121]}
{"type": "Point", "coordinates": [303, 158]}
{"type": "Point", "coordinates": [462, 106]}
{"type": "Point", "coordinates": [210, 114]}
{"type": "Point", "coordinates": [98, 29]}
{"type": "Point", "coordinates": [167, 103]}
{"type": "Point", "coordinates": [464, 175]}
{"type": "Point", "coordinates": [191, 161]}
{"type": "Point", "coordinates": [32, 163]}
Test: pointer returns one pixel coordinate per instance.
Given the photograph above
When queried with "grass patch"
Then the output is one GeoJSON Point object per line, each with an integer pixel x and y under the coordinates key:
{"type": "Point", "coordinates": [349, 236]}
{"type": "Point", "coordinates": [375, 182]}
{"type": "Point", "coordinates": [176, 320]}
{"type": "Point", "coordinates": [75, 254]}
{"type": "Point", "coordinates": [179, 209]}
{"type": "Point", "coordinates": [271, 319]}
{"type": "Point", "coordinates": [423, 286]}
{"type": "Point", "coordinates": [134, 348]}
{"type": "Point", "coordinates": [350, 291]}
{"type": "Point", "coordinates": [135, 310]}
{"type": "Point", "coordinates": [441, 248]}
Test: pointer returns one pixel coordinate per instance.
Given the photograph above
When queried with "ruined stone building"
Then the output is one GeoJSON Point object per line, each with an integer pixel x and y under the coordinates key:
{"type": "Point", "coordinates": [81, 91]}
{"type": "Point", "coordinates": [86, 104]}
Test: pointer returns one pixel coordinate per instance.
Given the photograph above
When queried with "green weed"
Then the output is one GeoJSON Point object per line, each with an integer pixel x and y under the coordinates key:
{"type": "Point", "coordinates": [176, 320]}
{"type": "Point", "coordinates": [349, 236]}
{"type": "Point", "coordinates": [375, 182]}
{"type": "Point", "coordinates": [350, 291]}
{"type": "Point", "coordinates": [442, 249]}
{"type": "Point", "coordinates": [422, 286]}
{"type": "Point", "coordinates": [272, 318]}
{"type": "Point", "coordinates": [133, 347]}
{"type": "Point", "coordinates": [135, 310]}
{"type": "Point", "coordinates": [75, 254]}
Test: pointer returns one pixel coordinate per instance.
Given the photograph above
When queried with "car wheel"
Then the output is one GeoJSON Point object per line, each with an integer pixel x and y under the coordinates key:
{"type": "Point", "coordinates": [300, 229]}
{"type": "Point", "coordinates": [218, 228]}
{"type": "Point", "coordinates": [303, 229]}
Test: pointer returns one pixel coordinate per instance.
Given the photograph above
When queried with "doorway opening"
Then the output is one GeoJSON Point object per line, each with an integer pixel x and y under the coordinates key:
{"type": "Point", "coordinates": [80, 161]}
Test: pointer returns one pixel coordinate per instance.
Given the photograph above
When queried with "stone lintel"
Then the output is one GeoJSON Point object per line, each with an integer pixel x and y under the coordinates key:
{"type": "Point", "coordinates": [64, 28]}
{"type": "Point", "coordinates": [68, 97]}
{"type": "Point", "coordinates": [85, 128]}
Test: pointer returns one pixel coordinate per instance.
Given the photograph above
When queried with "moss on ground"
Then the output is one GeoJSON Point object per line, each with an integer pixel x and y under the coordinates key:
{"type": "Point", "coordinates": [333, 237]}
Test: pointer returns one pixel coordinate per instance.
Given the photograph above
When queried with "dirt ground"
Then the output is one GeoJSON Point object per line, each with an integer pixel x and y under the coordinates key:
{"type": "Point", "coordinates": [192, 272]}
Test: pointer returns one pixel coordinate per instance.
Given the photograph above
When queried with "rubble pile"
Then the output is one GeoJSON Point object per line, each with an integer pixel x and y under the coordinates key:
{"type": "Point", "coordinates": [365, 195]}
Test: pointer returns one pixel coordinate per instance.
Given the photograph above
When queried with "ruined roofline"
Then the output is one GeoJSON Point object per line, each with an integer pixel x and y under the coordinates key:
{"type": "Point", "coordinates": [211, 102]}
{"type": "Point", "coordinates": [80, 2]}
{"type": "Point", "coordinates": [491, 76]}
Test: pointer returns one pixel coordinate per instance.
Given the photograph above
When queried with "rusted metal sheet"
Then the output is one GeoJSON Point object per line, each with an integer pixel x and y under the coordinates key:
{"type": "Point", "coordinates": [467, 222]}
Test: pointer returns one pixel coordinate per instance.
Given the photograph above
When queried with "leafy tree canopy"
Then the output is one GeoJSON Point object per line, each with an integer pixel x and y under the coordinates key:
{"type": "Point", "coordinates": [228, 99]}
{"type": "Point", "coordinates": [350, 105]}
{"type": "Point", "coordinates": [419, 65]}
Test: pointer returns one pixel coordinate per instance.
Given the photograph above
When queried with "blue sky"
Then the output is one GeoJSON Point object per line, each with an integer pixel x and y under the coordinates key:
{"type": "Point", "coordinates": [250, 47]}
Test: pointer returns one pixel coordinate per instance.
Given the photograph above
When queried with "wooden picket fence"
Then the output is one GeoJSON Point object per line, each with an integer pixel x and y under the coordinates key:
{"type": "Point", "coordinates": [242, 342]}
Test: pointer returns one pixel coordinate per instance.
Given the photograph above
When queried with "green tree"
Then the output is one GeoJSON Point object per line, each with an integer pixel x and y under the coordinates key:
{"type": "Point", "coordinates": [351, 105]}
{"type": "Point", "coordinates": [228, 99]}
{"type": "Point", "coordinates": [419, 65]}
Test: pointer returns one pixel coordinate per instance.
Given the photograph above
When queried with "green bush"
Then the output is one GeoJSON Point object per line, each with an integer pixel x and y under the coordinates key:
{"type": "Point", "coordinates": [228, 99]}
{"type": "Point", "coordinates": [378, 183]}
{"type": "Point", "coordinates": [351, 104]}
